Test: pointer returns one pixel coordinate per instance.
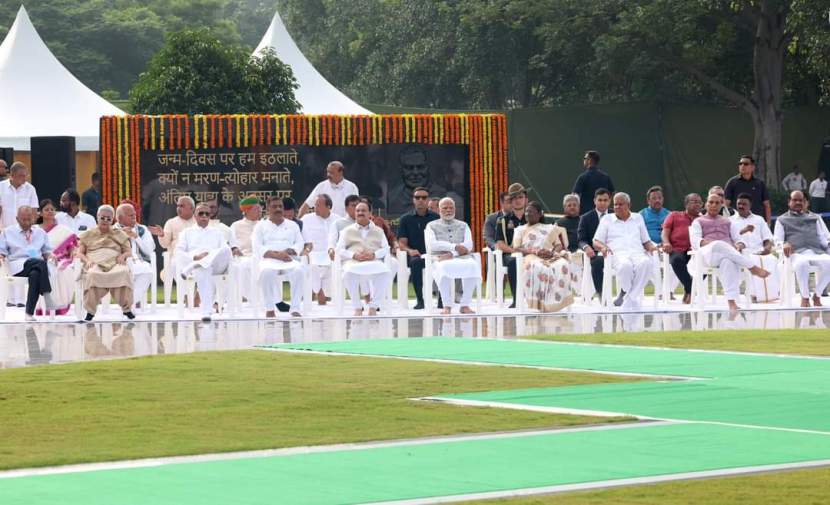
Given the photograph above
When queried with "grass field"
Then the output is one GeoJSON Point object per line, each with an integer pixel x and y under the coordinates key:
{"type": "Point", "coordinates": [234, 401]}
{"type": "Point", "coordinates": [231, 401]}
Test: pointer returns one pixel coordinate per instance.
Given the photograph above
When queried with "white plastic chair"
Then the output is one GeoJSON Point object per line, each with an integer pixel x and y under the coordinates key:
{"type": "Point", "coordinates": [429, 278]}
{"type": "Point", "coordinates": [339, 288]}
{"type": "Point", "coordinates": [610, 283]}
{"type": "Point", "coordinates": [403, 280]}
{"type": "Point", "coordinates": [788, 282]}
{"type": "Point", "coordinates": [9, 282]}
{"type": "Point", "coordinates": [701, 288]}
{"type": "Point", "coordinates": [255, 298]}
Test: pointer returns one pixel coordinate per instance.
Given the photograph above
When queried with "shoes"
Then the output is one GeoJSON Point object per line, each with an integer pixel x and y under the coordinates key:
{"type": "Point", "coordinates": [10, 304]}
{"type": "Point", "coordinates": [205, 319]}
{"type": "Point", "coordinates": [620, 299]}
{"type": "Point", "coordinates": [129, 314]}
{"type": "Point", "coordinates": [283, 307]}
{"type": "Point", "coordinates": [419, 306]}
{"type": "Point", "coordinates": [21, 305]}
{"type": "Point", "coordinates": [89, 317]}
{"type": "Point", "coordinates": [512, 305]}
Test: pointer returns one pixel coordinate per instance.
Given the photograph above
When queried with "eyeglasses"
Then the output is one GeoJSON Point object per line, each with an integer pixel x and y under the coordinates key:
{"type": "Point", "coordinates": [203, 214]}
{"type": "Point", "coordinates": [104, 218]}
{"type": "Point", "coordinates": [744, 163]}
{"type": "Point", "coordinates": [420, 197]}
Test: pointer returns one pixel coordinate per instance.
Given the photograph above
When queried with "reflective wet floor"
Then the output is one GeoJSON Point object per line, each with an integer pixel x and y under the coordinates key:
{"type": "Point", "coordinates": [53, 343]}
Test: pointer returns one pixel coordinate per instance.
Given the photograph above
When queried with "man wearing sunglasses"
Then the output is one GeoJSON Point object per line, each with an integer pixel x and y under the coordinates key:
{"type": "Point", "coordinates": [746, 182]}
{"type": "Point", "coordinates": [411, 239]}
{"type": "Point", "coordinates": [202, 252]}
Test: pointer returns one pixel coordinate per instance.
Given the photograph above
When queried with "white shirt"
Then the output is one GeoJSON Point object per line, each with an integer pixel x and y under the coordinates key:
{"type": "Point", "coordinates": [336, 228]}
{"type": "Point", "coordinates": [337, 192]}
{"type": "Point", "coordinates": [440, 246]}
{"type": "Point", "coordinates": [144, 242]}
{"type": "Point", "coordinates": [16, 249]}
{"type": "Point", "coordinates": [12, 198]}
{"type": "Point", "coordinates": [818, 188]}
{"type": "Point", "coordinates": [364, 231]}
{"type": "Point", "coordinates": [241, 232]}
{"type": "Point", "coordinates": [225, 229]}
{"type": "Point", "coordinates": [793, 182]}
{"type": "Point", "coordinates": [197, 239]}
{"type": "Point", "coordinates": [821, 231]}
{"type": "Point", "coordinates": [81, 222]}
{"type": "Point", "coordinates": [754, 240]}
{"type": "Point", "coordinates": [268, 236]}
{"type": "Point", "coordinates": [623, 237]}
{"type": "Point", "coordinates": [316, 230]}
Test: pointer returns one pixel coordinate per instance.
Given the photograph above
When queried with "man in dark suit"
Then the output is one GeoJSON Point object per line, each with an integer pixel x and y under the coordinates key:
{"type": "Point", "coordinates": [590, 181]}
{"type": "Point", "coordinates": [588, 224]}
{"type": "Point", "coordinates": [489, 231]}
{"type": "Point", "coordinates": [506, 225]}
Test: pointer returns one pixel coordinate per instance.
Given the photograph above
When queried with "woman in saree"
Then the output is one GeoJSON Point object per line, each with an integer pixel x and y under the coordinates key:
{"type": "Point", "coordinates": [549, 276]}
{"type": "Point", "coordinates": [104, 250]}
{"type": "Point", "coordinates": [64, 242]}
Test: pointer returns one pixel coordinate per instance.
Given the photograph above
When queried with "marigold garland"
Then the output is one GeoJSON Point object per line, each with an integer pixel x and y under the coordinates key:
{"type": "Point", "coordinates": [123, 139]}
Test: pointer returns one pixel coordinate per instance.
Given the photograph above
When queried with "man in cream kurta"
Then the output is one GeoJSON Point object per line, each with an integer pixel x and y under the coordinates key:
{"type": "Point", "coordinates": [450, 241]}
{"type": "Point", "coordinates": [316, 228]}
{"type": "Point", "coordinates": [277, 243]}
{"type": "Point", "coordinates": [202, 252]}
{"type": "Point", "coordinates": [143, 248]}
{"type": "Point", "coordinates": [173, 228]}
{"type": "Point", "coordinates": [363, 246]}
{"type": "Point", "coordinates": [754, 239]}
{"type": "Point", "coordinates": [241, 234]}
{"type": "Point", "coordinates": [623, 239]}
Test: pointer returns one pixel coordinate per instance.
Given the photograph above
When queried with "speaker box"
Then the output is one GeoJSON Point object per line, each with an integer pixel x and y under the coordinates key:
{"type": "Point", "coordinates": [7, 154]}
{"type": "Point", "coordinates": [53, 165]}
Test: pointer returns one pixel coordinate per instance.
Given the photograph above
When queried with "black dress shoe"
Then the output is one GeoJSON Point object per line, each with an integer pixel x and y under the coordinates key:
{"type": "Point", "coordinates": [283, 307]}
{"type": "Point", "coordinates": [21, 305]}
{"type": "Point", "coordinates": [89, 317]}
{"type": "Point", "coordinates": [619, 300]}
{"type": "Point", "coordinates": [10, 304]}
{"type": "Point", "coordinates": [129, 314]}
{"type": "Point", "coordinates": [512, 305]}
{"type": "Point", "coordinates": [419, 306]}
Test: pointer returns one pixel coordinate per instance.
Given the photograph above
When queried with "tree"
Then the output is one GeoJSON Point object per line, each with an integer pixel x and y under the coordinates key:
{"type": "Point", "coordinates": [197, 73]}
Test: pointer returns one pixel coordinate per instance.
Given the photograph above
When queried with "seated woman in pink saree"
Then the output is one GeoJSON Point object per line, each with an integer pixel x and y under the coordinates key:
{"type": "Point", "coordinates": [63, 241]}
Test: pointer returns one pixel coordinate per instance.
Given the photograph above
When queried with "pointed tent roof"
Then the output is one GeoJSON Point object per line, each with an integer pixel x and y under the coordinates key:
{"type": "Point", "coordinates": [315, 93]}
{"type": "Point", "coordinates": [40, 97]}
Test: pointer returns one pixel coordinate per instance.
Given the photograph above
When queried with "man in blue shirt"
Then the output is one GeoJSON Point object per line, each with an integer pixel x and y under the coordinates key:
{"type": "Point", "coordinates": [655, 213]}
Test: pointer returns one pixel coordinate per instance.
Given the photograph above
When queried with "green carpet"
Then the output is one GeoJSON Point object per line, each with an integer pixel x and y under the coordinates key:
{"type": "Point", "coordinates": [772, 392]}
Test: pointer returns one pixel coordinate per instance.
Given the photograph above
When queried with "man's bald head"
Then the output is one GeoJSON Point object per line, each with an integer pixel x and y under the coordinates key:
{"type": "Point", "coordinates": [25, 217]}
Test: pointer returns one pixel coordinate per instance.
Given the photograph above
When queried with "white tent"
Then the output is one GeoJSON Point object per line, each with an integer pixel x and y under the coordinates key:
{"type": "Point", "coordinates": [39, 97]}
{"type": "Point", "coordinates": [315, 94]}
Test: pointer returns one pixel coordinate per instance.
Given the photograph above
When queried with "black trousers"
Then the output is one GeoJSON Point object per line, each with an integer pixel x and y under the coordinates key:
{"type": "Point", "coordinates": [416, 275]}
{"type": "Point", "coordinates": [597, 271]}
{"type": "Point", "coordinates": [510, 262]}
{"type": "Point", "coordinates": [38, 273]}
{"type": "Point", "coordinates": [680, 264]}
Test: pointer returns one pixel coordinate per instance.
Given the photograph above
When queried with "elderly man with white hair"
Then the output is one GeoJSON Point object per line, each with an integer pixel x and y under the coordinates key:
{"type": "Point", "coordinates": [277, 243]}
{"type": "Point", "coordinates": [202, 252]}
{"type": "Point", "coordinates": [143, 248]}
{"type": "Point", "coordinates": [450, 241]}
{"type": "Point", "coordinates": [713, 236]}
{"type": "Point", "coordinates": [623, 239]}
{"type": "Point", "coordinates": [364, 246]}
{"type": "Point", "coordinates": [316, 228]}
{"type": "Point", "coordinates": [173, 228]}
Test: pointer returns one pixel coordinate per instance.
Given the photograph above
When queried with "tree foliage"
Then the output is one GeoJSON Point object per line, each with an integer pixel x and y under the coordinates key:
{"type": "Point", "coordinates": [196, 73]}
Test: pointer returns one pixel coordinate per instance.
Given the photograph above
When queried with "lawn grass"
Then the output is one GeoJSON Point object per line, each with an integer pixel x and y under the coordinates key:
{"type": "Point", "coordinates": [807, 487]}
{"type": "Point", "coordinates": [804, 342]}
{"type": "Point", "coordinates": [245, 400]}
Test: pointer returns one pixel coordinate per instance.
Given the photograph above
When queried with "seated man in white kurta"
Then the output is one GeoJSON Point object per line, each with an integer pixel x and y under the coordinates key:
{"type": "Point", "coordinates": [316, 228]}
{"type": "Point", "coordinates": [277, 242]}
{"type": "Point", "coordinates": [754, 239]}
{"type": "Point", "coordinates": [806, 242]}
{"type": "Point", "coordinates": [450, 242]}
{"type": "Point", "coordinates": [713, 236]}
{"type": "Point", "coordinates": [623, 237]}
{"type": "Point", "coordinates": [202, 252]}
{"type": "Point", "coordinates": [143, 248]}
{"type": "Point", "coordinates": [240, 242]}
{"type": "Point", "coordinates": [363, 246]}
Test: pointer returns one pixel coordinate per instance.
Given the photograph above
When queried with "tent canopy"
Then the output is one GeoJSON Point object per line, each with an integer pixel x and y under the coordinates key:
{"type": "Point", "coordinates": [40, 97]}
{"type": "Point", "coordinates": [315, 94]}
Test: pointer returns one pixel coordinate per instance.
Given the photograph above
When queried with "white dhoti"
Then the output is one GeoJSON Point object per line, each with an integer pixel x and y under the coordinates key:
{"type": "Point", "coordinates": [765, 289]}
{"type": "Point", "coordinates": [271, 272]}
{"type": "Point", "coordinates": [445, 273]}
{"type": "Point", "coordinates": [633, 272]}
{"type": "Point", "coordinates": [215, 263]}
{"type": "Point", "coordinates": [142, 278]}
{"type": "Point", "coordinates": [728, 261]}
{"type": "Point", "coordinates": [320, 271]}
{"type": "Point", "coordinates": [241, 268]}
{"type": "Point", "coordinates": [801, 266]}
{"type": "Point", "coordinates": [358, 273]}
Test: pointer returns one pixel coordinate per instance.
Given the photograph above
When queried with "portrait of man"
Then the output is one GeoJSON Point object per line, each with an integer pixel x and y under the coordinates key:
{"type": "Point", "coordinates": [416, 171]}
